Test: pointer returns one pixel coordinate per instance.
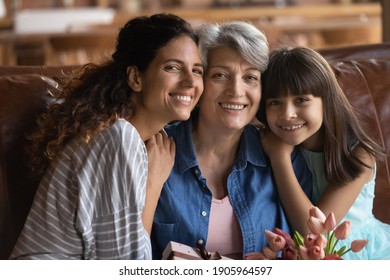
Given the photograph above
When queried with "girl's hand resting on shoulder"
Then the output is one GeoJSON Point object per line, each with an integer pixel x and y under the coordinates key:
{"type": "Point", "coordinates": [273, 146]}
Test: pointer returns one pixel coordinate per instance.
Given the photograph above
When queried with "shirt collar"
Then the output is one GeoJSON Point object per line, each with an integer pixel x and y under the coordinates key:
{"type": "Point", "coordinates": [185, 150]}
{"type": "Point", "coordinates": [249, 150]}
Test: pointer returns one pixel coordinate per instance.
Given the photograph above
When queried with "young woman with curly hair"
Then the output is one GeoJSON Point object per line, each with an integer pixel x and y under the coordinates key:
{"type": "Point", "coordinates": [96, 144]}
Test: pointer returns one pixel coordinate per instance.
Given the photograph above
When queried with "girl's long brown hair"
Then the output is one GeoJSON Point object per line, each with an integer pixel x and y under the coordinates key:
{"type": "Point", "coordinates": [302, 70]}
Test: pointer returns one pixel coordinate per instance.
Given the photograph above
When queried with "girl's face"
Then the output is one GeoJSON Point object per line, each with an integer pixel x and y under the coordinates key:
{"type": "Point", "coordinates": [232, 90]}
{"type": "Point", "coordinates": [173, 82]}
{"type": "Point", "coordinates": [296, 119]}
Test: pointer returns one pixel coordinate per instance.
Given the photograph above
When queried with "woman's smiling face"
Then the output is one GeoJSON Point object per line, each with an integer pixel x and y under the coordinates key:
{"type": "Point", "coordinates": [232, 90]}
{"type": "Point", "coordinates": [173, 82]}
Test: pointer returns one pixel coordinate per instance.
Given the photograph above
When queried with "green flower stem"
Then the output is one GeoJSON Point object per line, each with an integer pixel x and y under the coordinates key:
{"type": "Point", "coordinates": [330, 245]}
{"type": "Point", "coordinates": [345, 252]}
{"type": "Point", "coordinates": [334, 246]}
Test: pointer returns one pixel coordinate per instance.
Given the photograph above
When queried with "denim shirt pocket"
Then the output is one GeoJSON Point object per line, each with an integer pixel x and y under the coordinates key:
{"type": "Point", "coordinates": [162, 234]}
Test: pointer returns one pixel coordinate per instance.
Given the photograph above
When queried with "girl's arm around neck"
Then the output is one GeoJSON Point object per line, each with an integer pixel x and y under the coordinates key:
{"type": "Point", "coordinates": [295, 202]}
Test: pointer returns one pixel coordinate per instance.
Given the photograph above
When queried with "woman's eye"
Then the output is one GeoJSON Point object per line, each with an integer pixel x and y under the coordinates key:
{"type": "Point", "coordinates": [252, 77]}
{"type": "Point", "coordinates": [198, 72]}
{"type": "Point", "coordinates": [171, 68]}
{"type": "Point", "coordinates": [219, 75]}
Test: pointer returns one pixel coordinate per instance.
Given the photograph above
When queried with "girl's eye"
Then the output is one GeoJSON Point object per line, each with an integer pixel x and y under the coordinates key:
{"type": "Point", "coordinates": [273, 102]}
{"type": "Point", "coordinates": [301, 100]}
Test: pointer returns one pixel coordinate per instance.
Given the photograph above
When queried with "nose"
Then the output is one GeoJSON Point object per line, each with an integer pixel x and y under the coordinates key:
{"type": "Point", "coordinates": [289, 111]}
{"type": "Point", "coordinates": [189, 80]}
{"type": "Point", "coordinates": [235, 88]}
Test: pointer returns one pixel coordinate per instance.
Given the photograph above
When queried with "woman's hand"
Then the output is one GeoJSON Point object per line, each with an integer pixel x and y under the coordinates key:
{"type": "Point", "coordinates": [161, 157]}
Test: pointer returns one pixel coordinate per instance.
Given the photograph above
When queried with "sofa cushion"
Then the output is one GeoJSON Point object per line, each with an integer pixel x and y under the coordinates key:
{"type": "Point", "coordinates": [22, 98]}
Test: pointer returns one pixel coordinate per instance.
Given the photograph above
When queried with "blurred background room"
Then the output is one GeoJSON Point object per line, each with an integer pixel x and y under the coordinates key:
{"type": "Point", "coordinates": [68, 32]}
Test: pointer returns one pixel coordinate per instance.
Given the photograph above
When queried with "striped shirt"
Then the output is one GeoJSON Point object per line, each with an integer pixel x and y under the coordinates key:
{"type": "Point", "coordinates": [89, 203]}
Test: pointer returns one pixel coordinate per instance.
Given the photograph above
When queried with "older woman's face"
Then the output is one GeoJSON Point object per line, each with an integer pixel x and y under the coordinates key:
{"type": "Point", "coordinates": [232, 90]}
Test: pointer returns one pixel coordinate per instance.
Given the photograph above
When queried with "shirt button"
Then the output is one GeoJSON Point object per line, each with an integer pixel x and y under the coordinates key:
{"type": "Point", "coordinates": [200, 241]}
{"type": "Point", "coordinates": [204, 213]}
{"type": "Point", "coordinates": [204, 186]}
{"type": "Point", "coordinates": [196, 171]}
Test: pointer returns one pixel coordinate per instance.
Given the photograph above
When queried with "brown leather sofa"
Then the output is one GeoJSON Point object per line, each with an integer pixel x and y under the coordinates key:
{"type": "Point", "coordinates": [364, 72]}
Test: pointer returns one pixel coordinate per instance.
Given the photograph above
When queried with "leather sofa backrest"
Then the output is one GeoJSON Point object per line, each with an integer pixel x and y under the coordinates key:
{"type": "Point", "coordinates": [364, 74]}
{"type": "Point", "coordinates": [22, 98]}
{"type": "Point", "coordinates": [24, 93]}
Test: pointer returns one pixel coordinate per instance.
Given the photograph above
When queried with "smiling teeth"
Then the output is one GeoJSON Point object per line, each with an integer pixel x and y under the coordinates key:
{"type": "Point", "coordinates": [184, 98]}
{"type": "Point", "coordinates": [232, 107]}
{"type": "Point", "coordinates": [292, 127]}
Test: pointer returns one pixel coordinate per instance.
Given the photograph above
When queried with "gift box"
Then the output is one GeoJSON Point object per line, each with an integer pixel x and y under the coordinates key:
{"type": "Point", "coordinates": [179, 251]}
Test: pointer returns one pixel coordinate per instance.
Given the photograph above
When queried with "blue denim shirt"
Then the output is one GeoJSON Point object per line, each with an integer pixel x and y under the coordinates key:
{"type": "Point", "coordinates": [182, 213]}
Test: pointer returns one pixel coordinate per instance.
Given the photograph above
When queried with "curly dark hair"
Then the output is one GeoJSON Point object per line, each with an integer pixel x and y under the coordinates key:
{"type": "Point", "coordinates": [98, 94]}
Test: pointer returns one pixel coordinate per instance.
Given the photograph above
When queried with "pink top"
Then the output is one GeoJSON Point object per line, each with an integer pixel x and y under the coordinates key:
{"type": "Point", "coordinates": [224, 231]}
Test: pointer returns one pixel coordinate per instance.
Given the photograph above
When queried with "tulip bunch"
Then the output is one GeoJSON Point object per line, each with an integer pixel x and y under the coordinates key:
{"type": "Point", "coordinates": [320, 244]}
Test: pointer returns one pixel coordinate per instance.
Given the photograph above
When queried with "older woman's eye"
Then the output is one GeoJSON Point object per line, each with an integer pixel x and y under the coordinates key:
{"type": "Point", "coordinates": [219, 75]}
{"type": "Point", "coordinates": [252, 77]}
{"type": "Point", "coordinates": [252, 80]}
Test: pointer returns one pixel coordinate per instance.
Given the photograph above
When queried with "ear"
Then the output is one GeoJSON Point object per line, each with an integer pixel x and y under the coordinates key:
{"type": "Point", "coordinates": [134, 78]}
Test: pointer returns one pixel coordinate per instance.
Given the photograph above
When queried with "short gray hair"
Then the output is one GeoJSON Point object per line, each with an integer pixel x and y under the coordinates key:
{"type": "Point", "coordinates": [240, 35]}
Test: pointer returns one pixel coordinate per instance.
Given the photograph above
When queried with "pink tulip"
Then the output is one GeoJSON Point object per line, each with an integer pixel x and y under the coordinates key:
{"type": "Point", "coordinates": [303, 252]}
{"type": "Point", "coordinates": [289, 253]}
{"type": "Point", "coordinates": [330, 222]}
{"type": "Point", "coordinates": [316, 253]}
{"type": "Point", "coordinates": [315, 240]}
{"type": "Point", "coordinates": [270, 235]}
{"type": "Point", "coordinates": [343, 230]}
{"type": "Point", "coordinates": [315, 225]}
{"type": "Point", "coordinates": [321, 241]}
{"type": "Point", "coordinates": [316, 212]}
{"type": "Point", "coordinates": [311, 253]}
{"type": "Point", "coordinates": [310, 239]}
{"type": "Point", "coordinates": [254, 256]}
{"type": "Point", "coordinates": [285, 235]}
{"type": "Point", "coordinates": [276, 242]}
{"type": "Point", "coordinates": [269, 254]}
{"type": "Point", "coordinates": [358, 245]}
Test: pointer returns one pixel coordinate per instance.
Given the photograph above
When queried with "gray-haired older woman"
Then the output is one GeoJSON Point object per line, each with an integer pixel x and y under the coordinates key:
{"type": "Point", "coordinates": [221, 192]}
